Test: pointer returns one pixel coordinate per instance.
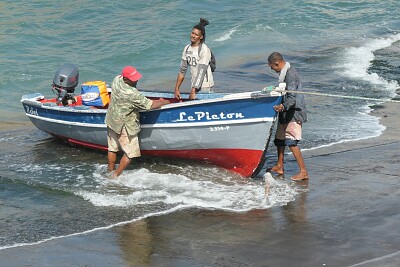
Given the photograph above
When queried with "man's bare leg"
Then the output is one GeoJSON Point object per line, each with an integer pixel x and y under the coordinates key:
{"type": "Point", "coordinates": [278, 168]}
{"type": "Point", "coordinates": [112, 158]}
{"type": "Point", "coordinates": [125, 161]}
{"type": "Point", "coordinates": [303, 174]}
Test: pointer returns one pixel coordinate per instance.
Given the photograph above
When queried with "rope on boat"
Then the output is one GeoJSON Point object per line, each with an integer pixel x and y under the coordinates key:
{"type": "Point", "coordinates": [338, 96]}
{"type": "Point", "coordinates": [264, 154]}
{"type": "Point", "coordinates": [275, 91]}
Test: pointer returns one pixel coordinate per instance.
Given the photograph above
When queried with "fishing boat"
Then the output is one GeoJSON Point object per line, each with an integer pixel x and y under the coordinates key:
{"type": "Point", "coordinates": [228, 130]}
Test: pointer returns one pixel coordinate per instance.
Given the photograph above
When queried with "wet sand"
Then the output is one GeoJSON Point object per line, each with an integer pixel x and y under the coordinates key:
{"type": "Point", "coordinates": [347, 214]}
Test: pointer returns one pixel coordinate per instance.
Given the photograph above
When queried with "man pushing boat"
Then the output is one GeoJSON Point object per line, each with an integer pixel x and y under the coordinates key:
{"type": "Point", "coordinates": [122, 118]}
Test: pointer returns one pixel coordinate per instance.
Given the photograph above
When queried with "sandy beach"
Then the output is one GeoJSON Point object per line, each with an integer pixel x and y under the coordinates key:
{"type": "Point", "coordinates": [347, 214]}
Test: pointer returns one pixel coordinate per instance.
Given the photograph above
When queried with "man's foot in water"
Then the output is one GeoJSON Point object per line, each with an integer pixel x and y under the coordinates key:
{"type": "Point", "coordinates": [300, 176]}
{"type": "Point", "coordinates": [277, 169]}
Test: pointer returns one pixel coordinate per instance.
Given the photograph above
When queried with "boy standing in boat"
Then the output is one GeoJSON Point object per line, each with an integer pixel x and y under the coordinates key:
{"type": "Point", "coordinates": [197, 55]}
{"type": "Point", "coordinates": [122, 118]}
{"type": "Point", "coordinates": [292, 114]}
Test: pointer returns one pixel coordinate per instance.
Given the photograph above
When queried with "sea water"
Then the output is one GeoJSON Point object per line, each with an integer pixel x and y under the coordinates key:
{"type": "Point", "coordinates": [49, 189]}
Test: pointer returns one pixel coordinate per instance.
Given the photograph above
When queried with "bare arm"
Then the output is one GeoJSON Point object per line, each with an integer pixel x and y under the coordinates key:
{"type": "Point", "coordinates": [159, 103]}
{"type": "Point", "coordinates": [179, 80]}
{"type": "Point", "coordinates": [192, 94]}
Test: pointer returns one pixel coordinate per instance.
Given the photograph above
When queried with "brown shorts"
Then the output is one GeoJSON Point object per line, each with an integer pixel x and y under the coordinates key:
{"type": "Point", "coordinates": [127, 143]}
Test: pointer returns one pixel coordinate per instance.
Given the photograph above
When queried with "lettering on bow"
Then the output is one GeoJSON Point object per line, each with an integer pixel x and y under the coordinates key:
{"type": "Point", "coordinates": [206, 116]}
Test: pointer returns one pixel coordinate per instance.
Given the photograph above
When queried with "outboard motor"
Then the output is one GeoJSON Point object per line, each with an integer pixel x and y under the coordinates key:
{"type": "Point", "coordinates": [64, 82]}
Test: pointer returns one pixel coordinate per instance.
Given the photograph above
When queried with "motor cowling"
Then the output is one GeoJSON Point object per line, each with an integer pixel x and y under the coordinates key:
{"type": "Point", "coordinates": [65, 80]}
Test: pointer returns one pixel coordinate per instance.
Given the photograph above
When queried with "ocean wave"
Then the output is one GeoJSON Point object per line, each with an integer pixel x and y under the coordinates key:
{"type": "Point", "coordinates": [227, 35]}
{"type": "Point", "coordinates": [136, 189]}
{"type": "Point", "coordinates": [248, 29]}
{"type": "Point", "coordinates": [143, 187]}
{"type": "Point", "coordinates": [357, 61]}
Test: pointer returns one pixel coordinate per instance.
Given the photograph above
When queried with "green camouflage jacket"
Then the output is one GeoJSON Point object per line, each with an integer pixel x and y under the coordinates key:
{"type": "Point", "coordinates": [124, 107]}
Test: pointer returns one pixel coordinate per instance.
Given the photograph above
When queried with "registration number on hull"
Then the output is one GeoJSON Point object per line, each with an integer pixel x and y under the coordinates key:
{"type": "Point", "coordinates": [219, 128]}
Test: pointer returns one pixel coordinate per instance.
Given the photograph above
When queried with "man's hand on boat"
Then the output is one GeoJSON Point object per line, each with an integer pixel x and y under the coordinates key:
{"type": "Point", "coordinates": [159, 103]}
{"type": "Point", "coordinates": [192, 95]}
{"type": "Point", "coordinates": [177, 94]}
{"type": "Point", "coordinates": [279, 108]}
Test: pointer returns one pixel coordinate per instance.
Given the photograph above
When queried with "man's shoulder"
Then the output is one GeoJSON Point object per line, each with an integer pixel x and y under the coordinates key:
{"type": "Point", "coordinates": [117, 78]}
{"type": "Point", "coordinates": [205, 47]}
{"type": "Point", "coordinates": [292, 68]}
{"type": "Point", "coordinates": [292, 72]}
{"type": "Point", "coordinates": [116, 81]}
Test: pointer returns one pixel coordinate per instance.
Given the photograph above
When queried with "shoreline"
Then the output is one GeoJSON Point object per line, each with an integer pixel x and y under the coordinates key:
{"type": "Point", "coordinates": [386, 113]}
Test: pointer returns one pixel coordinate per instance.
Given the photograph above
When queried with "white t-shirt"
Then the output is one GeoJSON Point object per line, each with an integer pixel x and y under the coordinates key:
{"type": "Point", "coordinates": [200, 70]}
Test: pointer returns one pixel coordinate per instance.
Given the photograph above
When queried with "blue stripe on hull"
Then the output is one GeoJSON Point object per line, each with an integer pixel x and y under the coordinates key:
{"type": "Point", "coordinates": [216, 111]}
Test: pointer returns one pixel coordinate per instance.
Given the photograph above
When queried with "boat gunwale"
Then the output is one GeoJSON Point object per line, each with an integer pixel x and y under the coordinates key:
{"type": "Point", "coordinates": [90, 109]}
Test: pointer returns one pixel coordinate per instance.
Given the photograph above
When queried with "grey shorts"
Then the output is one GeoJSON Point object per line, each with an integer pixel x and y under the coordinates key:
{"type": "Point", "coordinates": [129, 144]}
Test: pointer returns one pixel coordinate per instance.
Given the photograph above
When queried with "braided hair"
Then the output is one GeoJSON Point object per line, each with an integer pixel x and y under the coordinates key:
{"type": "Point", "coordinates": [201, 27]}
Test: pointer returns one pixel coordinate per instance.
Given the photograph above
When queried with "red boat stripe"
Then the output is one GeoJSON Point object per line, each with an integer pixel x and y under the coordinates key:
{"type": "Point", "coordinates": [86, 144]}
{"type": "Point", "coordinates": [242, 161]}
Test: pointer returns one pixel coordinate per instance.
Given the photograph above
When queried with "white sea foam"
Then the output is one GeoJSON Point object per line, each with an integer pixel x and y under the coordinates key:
{"type": "Point", "coordinates": [214, 189]}
{"type": "Point", "coordinates": [355, 65]}
{"type": "Point", "coordinates": [239, 30]}
{"type": "Point", "coordinates": [227, 35]}
{"type": "Point", "coordinates": [358, 60]}
{"type": "Point", "coordinates": [141, 187]}
{"type": "Point", "coordinates": [363, 118]}
{"type": "Point", "coordinates": [277, 190]}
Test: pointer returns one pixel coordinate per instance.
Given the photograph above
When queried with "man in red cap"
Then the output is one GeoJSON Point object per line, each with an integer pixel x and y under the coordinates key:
{"type": "Point", "coordinates": [122, 118]}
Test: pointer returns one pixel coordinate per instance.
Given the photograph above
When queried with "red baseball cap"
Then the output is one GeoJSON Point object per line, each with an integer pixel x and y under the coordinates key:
{"type": "Point", "coordinates": [131, 73]}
